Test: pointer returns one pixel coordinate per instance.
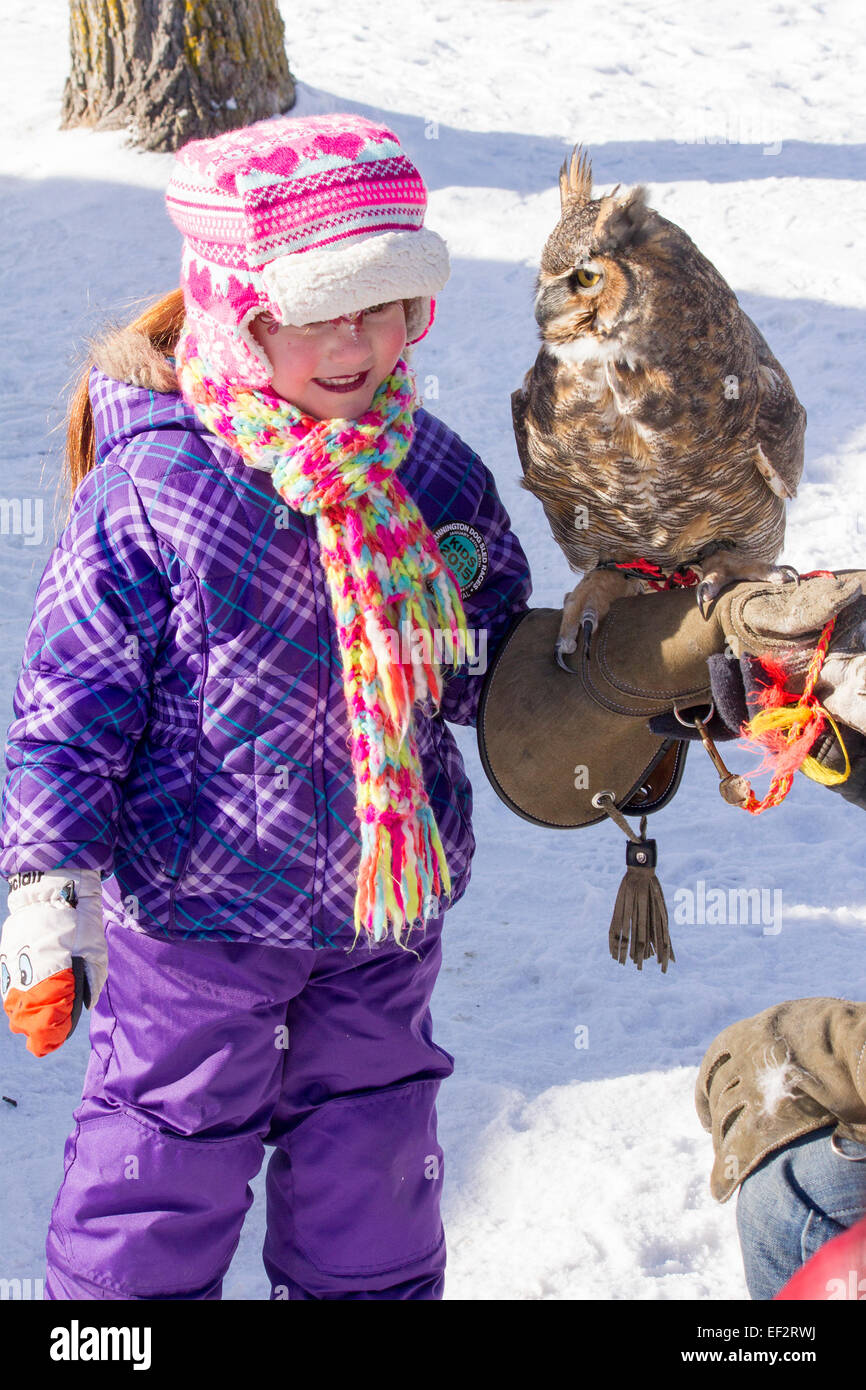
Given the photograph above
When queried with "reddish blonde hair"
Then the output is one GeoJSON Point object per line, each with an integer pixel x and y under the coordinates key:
{"type": "Point", "coordinates": [161, 322]}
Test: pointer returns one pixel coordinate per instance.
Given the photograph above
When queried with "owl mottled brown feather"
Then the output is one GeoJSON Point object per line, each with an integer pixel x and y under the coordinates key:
{"type": "Point", "coordinates": [655, 415]}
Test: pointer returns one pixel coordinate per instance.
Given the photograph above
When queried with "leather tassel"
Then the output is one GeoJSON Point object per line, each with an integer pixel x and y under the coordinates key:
{"type": "Point", "coordinates": [639, 926]}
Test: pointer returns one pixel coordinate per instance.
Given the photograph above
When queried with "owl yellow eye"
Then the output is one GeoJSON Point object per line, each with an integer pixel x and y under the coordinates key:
{"type": "Point", "coordinates": [587, 278]}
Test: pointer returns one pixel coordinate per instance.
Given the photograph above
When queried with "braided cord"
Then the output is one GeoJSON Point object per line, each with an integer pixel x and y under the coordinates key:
{"type": "Point", "coordinates": [789, 731]}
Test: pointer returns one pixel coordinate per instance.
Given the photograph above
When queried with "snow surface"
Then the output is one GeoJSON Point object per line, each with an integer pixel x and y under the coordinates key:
{"type": "Point", "coordinates": [572, 1172]}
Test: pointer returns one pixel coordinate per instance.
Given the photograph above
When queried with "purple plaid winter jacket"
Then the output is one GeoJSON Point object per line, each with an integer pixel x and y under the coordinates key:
{"type": "Point", "coordinates": [180, 721]}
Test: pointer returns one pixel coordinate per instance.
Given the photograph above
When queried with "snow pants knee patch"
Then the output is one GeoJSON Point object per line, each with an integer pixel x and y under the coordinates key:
{"type": "Point", "coordinates": [354, 1192]}
{"type": "Point", "coordinates": [149, 1213]}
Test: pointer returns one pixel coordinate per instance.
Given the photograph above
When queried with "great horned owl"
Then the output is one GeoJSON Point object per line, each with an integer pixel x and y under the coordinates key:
{"type": "Point", "coordinates": [656, 424]}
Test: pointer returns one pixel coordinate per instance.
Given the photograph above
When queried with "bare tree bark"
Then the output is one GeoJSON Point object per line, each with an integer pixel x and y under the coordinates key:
{"type": "Point", "coordinates": [175, 70]}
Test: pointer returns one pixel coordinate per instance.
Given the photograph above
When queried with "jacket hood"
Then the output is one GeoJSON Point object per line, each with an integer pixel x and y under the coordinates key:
{"type": "Point", "coordinates": [133, 389]}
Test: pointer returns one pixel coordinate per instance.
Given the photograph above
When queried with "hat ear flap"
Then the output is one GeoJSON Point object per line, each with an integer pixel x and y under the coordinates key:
{"type": "Point", "coordinates": [419, 317]}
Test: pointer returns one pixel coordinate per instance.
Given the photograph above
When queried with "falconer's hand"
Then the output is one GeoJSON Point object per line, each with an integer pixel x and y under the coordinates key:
{"type": "Point", "coordinates": [784, 624]}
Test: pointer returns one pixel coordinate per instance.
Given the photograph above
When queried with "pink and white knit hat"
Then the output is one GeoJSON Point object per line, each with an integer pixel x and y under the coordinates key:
{"type": "Point", "coordinates": [305, 219]}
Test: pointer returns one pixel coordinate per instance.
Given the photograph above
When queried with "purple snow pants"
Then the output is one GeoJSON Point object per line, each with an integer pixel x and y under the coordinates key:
{"type": "Point", "coordinates": [202, 1053]}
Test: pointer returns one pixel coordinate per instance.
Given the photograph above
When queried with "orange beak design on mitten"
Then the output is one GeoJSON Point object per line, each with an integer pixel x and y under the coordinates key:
{"type": "Point", "coordinates": [44, 1012]}
{"type": "Point", "coordinates": [52, 954]}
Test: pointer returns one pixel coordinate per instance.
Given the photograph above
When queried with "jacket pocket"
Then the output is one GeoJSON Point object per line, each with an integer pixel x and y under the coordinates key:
{"type": "Point", "coordinates": [159, 798]}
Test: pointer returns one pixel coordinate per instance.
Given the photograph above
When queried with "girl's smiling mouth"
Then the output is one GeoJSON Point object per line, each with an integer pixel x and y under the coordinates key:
{"type": "Point", "coordinates": [342, 383]}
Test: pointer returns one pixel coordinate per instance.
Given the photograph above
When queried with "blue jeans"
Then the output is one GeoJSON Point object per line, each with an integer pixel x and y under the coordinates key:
{"type": "Point", "coordinates": [798, 1198]}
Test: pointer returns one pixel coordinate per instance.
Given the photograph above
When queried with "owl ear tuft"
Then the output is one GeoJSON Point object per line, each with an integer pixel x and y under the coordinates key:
{"type": "Point", "coordinates": [627, 220]}
{"type": "Point", "coordinates": [575, 177]}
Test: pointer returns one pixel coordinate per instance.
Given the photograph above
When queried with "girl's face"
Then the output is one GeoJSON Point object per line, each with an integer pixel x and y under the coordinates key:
{"type": "Point", "coordinates": [332, 370]}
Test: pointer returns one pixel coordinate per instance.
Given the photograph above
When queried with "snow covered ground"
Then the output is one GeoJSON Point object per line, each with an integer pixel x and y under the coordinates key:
{"type": "Point", "coordinates": [573, 1172]}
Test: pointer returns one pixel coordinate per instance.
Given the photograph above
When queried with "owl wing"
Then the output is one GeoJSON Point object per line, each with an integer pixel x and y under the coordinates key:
{"type": "Point", "coordinates": [548, 461]}
{"type": "Point", "coordinates": [518, 419]}
{"type": "Point", "coordinates": [533, 416]}
{"type": "Point", "coordinates": [780, 422]}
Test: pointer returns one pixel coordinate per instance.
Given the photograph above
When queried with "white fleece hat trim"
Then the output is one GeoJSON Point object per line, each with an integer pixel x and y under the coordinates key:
{"type": "Point", "coordinates": [324, 282]}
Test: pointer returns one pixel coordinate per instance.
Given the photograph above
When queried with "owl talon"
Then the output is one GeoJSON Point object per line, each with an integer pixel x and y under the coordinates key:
{"type": "Point", "coordinates": [705, 596]}
{"type": "Point", "coordinates": [788, 570]}
{"type": "Point", "coordinates": [564, 644]}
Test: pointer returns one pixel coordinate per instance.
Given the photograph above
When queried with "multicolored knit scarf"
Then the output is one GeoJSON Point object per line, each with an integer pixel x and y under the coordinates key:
{"type": "Point", "coordinates": [386, 580]}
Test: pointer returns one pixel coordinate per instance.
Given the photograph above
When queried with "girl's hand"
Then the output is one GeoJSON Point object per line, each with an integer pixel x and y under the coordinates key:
{"type": "Point", "coordinates": [53, 956]}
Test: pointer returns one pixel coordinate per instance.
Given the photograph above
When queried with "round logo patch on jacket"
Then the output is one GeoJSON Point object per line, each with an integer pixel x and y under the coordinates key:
{"type": "Point", "coordinates": [465, 553]}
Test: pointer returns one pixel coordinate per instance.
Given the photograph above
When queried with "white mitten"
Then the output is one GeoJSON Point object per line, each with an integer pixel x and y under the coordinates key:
{"type": "Point", "coordinates": [53, 956]}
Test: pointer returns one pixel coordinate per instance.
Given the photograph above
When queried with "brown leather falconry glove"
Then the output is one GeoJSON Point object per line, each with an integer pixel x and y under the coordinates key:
{"type": "Point", "coordinates": [784, 622]}
{"type": "Point", "coordinates": [766, 1080]}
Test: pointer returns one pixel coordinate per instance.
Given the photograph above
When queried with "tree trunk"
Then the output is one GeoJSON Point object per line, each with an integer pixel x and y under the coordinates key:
{"type": "Point", "coordinates": [175, 70]}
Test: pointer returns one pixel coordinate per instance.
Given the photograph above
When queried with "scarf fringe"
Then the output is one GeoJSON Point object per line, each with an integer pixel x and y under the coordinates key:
{"type": "Point", "coordinates": [403, 874]}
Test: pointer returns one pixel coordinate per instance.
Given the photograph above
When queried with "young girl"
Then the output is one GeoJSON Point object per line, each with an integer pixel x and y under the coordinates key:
{"type": "Point", "coordinates": [234, 817]}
